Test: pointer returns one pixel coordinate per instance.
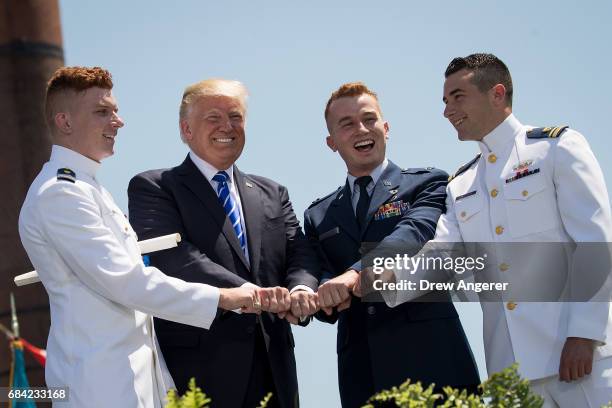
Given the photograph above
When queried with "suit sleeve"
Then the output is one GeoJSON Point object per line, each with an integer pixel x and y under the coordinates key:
{"type": "Point", "coordinates": [153, 212]}
{"type": "Point", "coordinates": [72, 223]}
{"type": "Point", "coordinates": [585, 211]}
{"type": "Point", "coordinates": [302, 268]}
{"type": "Point", "coordinates": [447, 233]}
{"type": "Point", "coordinates": [322, 261]}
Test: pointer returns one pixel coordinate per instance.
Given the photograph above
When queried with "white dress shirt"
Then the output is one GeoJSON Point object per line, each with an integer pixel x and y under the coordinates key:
{"type": "Point", "coordinates": [209, 171]}
{"type": "Point", "coordinates": [375, 174]}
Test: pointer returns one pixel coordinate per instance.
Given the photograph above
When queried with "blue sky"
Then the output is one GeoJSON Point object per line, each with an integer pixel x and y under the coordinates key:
{"type": "Point", "coordinates": [292, 55]}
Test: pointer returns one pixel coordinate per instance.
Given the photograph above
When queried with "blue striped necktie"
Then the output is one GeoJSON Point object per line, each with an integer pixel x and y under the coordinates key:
{"type": "Point", "coordinates": [229, 205]}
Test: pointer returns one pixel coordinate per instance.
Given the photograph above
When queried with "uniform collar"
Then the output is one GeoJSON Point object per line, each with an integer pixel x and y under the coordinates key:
{"type": "Point", "coordinates": [73, 160]}
{"type": "Point", "coordinates": [502, 136]}
{"type": "Point", "coordinates": [207, 169]}
{"type": "Point", "coordinates": [375, 174]}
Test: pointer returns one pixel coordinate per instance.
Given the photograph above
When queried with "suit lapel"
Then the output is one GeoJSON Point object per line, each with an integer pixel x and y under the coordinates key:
{"type": "Point", "coordinates": [193, 178]}
{"type": "Point", "coordinates": [252, 207]}
{"type": "Point", "coordinates": [384, 189]}
{"type": "Point", "coordinates": [342, 211]}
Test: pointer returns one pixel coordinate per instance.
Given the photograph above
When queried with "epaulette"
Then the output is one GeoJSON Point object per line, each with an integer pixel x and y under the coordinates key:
{"type": "Point", "coordinates": [318, 200]}
{"type": "Point", "coordinates": [464, 167]}
{"type": "Point", "coordinates": [417, 170]}
{"type": "Point", "coordinates": [546, 132]}
{"type": "Point", "coordinates": [66, 175]}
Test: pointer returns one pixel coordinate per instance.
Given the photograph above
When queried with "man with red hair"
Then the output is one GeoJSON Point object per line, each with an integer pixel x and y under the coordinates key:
{"type": "Point", "coordinates": [381, 204]}
{"type": "Point", "coordinates": [101, 344]}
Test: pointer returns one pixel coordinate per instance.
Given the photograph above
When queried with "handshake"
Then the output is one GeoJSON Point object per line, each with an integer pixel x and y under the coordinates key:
{"type": "Point", "coordinates": [299, 304]}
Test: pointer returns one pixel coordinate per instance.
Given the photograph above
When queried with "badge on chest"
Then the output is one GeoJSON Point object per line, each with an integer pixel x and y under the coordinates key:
{"type": "Point", "coordinates": [392, 209]}
{"type": "Point", "coordinates": [522, 169]}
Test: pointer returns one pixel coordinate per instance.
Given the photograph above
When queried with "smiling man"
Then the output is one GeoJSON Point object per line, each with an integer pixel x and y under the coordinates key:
{"type": "Point", "coordinates": [239, 230]}
{"type": "Point", "coordinates": [101, 344]}
{"type": "Point", "coordinates": [544, 187]}
{"type": "Point", "coordinates": [380, 347]}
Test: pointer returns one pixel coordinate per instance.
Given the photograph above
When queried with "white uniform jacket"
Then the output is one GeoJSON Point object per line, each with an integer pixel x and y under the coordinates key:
{"type": "Point", "coordinates": [101, 343]}
{"type": "Point", "coordinates": [561, 198]}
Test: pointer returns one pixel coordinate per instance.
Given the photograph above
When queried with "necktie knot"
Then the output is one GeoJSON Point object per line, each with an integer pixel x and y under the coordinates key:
{"type": "Point", "coordinates": [363, 182]}
{"type": "Point", "coordinates": [221, 177]}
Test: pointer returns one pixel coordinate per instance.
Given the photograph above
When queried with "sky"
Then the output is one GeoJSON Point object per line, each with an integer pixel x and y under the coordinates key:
{"type": "Point", "coordinates": [292, 55]}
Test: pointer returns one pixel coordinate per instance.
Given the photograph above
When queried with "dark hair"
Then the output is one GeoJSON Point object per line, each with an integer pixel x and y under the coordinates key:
{"type": "Point", "coordinates": [488, 71]}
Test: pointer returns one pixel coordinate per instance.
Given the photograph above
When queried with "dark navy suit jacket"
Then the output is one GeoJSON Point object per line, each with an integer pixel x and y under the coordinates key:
{"type": "Point", "coordinates": [379, 347]}
{"type": "Point", "coordinates": [181, 200]}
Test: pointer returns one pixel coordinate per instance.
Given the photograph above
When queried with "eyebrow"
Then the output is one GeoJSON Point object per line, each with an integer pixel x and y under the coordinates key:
{"type": "Point", "coordinates": [451, 93]}
{"type": "Point", "coordinates": [115, 108]}
{"type": "Point", "coordinates": [344, 119]}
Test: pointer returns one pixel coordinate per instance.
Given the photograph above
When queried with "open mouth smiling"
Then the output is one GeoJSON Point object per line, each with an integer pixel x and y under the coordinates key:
{"type": "Point", "coordinates": [458, 122]}
{"type": "Point", "coordinates": [364, 145]}
{"type": "Point", "coordinates": [223, 139]}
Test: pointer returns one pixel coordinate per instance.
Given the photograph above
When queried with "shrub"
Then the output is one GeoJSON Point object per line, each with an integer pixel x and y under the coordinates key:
{"type": "Point", "coordinates": [195, 398]}
{"type": "Point", "coordinates": [504, 389]}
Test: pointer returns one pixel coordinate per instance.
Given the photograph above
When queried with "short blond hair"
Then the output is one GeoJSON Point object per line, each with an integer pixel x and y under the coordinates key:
{"type": "Point", "coordinates": [207, 88]}
{"type": "Point", "coordinates": [349, 89]}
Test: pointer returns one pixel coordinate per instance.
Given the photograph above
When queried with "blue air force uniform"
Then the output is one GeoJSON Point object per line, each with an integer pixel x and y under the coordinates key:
{"type": "Point", "coordinates": [379, 347]}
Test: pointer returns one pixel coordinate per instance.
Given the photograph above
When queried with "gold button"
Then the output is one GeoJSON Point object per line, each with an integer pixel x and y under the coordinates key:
{"type": "Point", "coordinates": [525, 193]}
{"type": "Point", "coordinates": [126, 229]}
{"type": "Point", "coordinates": [511, 305]}
{"type": "Point", "coordinates": [463, 214]}
{"type": "Point", "coordinates": [499, 230]}
{"type": "Point", "coordinates": [504, 267]}
{"type": "Point", "coordinates": [492, 158]}
{"type": "Point", "coordinates": [494, 193]}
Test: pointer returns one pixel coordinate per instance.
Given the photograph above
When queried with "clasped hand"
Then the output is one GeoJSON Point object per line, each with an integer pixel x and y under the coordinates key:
{"type": "Point", "coordinates": [253, 299]}
{"type": "Point", "coordinates": [337, 292]}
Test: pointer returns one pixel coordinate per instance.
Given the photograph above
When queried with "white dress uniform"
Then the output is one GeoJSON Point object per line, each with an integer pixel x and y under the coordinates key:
{"type": "Point", "coordinates": [561, 197]}
{"type": "Point", "coordinates": [101, 343]}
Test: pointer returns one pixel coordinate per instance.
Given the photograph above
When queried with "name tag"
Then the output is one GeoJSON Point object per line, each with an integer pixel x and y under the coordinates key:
{"type": "Point", "coordinates": [330, 233]}
{"type": "Point", "coordinates": [466, 195]}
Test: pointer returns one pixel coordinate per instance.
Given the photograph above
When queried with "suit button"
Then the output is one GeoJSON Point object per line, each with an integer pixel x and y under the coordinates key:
{"type": "Point", "coordinates": [492, 158]}
{"type": "Point", "coordinates": [494, 192]}
{"type": "Point", "coordinates": [525, 193]}
{"type": "Point", "coordinates": [371, 310]}
{"type": "Point", "coordinates": [499, 230]}
{"type": "Point", "coordinates": [511, 305]}
{"type": "Point", "coordinates": [504, 267]}
{"type": "Point", "coordinates": [250, 329]}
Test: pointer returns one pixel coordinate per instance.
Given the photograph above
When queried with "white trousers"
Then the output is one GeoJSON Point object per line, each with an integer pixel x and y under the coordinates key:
{"type": "Point", "coordinates": [591, 391]}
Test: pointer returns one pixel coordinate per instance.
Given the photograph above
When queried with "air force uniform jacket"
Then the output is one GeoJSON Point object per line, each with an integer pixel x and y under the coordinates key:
{"type": "Point", "coordinates": [101, 343]}
{"type": "Point", "coordinates": [379, 347]}
{"type": "Point", "coordinates": [531, 186]}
